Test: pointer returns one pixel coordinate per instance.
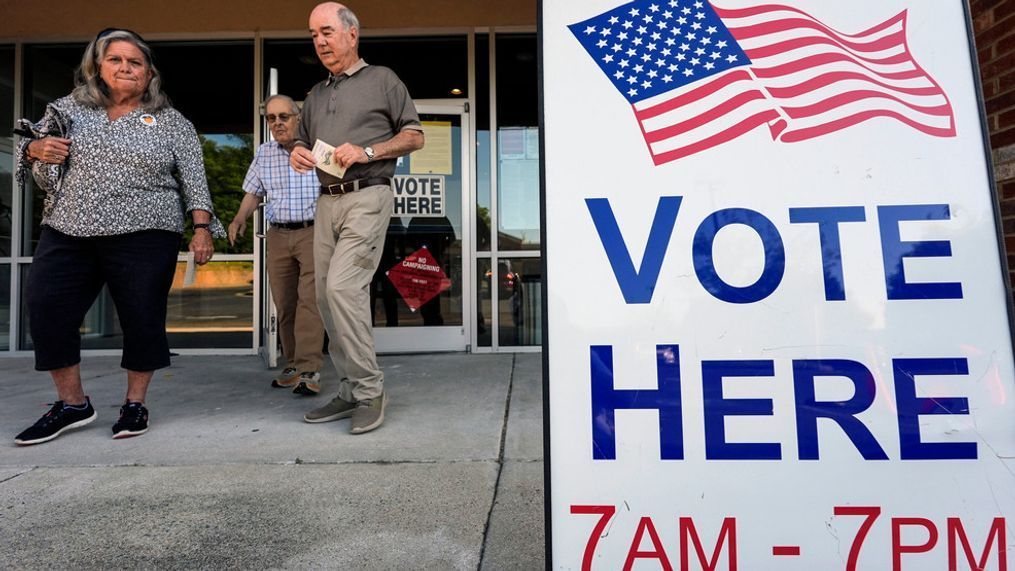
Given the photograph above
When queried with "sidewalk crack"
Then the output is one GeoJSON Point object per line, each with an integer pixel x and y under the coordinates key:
{"type": "Point", "coordinates": [500, 462]}
{"type": "Point", "coordinates": [5, 480]}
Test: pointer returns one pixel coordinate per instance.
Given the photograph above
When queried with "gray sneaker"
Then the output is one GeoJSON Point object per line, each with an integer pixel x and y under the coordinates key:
{"type": "Point", "coordinates": [337, 409]}
{"type": "Point", "coordinates": [369, 414]}
{"type": "Point", "coordinates": [309, 384]}
{"type": "Point", "coordinates": [287, 379]}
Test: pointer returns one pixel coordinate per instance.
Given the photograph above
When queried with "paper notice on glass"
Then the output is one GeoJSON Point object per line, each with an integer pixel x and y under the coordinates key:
{"type": "Point", "coordinates": [435, 156]}
{"type": "Point", "coordinates": [188, 274]}
{"type": "Point", "coordinates": [324, 153]}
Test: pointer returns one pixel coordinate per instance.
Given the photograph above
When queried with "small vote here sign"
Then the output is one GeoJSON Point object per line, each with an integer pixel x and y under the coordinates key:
{"type": "Point", "coordinates": [419, 195]}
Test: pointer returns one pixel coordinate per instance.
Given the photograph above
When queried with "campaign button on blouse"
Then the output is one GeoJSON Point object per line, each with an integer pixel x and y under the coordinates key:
{"type": "Point", "coordinates": [148, 120]}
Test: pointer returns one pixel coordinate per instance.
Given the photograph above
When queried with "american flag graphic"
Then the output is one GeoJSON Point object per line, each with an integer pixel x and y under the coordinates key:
{"type": "Point", "coordinates": [698, 75]}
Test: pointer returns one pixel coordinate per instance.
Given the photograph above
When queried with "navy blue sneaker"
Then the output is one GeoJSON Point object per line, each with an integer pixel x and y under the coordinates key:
{"type": "Point", "coordinates": [59, 419]}
{"type": "Point", "coordinates": [133, 420]}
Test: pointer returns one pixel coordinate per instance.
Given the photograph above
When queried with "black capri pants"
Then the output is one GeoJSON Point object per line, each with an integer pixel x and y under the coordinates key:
{"type": "Point", "coordinates": [66, 276]}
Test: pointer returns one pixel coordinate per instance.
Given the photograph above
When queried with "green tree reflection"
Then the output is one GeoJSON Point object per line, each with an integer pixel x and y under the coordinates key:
{"type": "Point", "coordinates": [226, 160]}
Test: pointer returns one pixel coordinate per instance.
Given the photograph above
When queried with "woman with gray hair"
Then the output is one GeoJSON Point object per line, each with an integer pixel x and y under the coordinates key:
{"type": "Point", "coordinates": [114, 175]}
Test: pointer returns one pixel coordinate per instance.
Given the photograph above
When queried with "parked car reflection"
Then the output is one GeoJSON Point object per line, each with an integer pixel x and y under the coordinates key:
{"type": "Point", "coordinates": [510, 291]}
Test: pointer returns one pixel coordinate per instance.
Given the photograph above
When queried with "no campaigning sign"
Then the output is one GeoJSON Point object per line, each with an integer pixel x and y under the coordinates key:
{"type": "Point", "coordinates": [418, 278]}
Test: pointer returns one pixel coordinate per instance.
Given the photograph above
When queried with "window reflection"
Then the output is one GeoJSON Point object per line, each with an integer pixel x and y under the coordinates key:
{"type": "Point", "coordinates": [226, 160]}
{"type": "Point", "coordinates": [5, 307]}
{"type": "Point", "coordinates": [483, 225]}
{"type": "Point", "coordinates": [226, 127]}
{"type": "Point", "coordinates": [412, 58]}
{"type": "Point", "coordinates": [483, 150]}
{"type": "Point", "coordinates": [520, 301]}
{"type": "Point", "coordinates": [217, 310]}
{"type": "Point", "coordinates": [6, 195]}
{"type": "Point", "coordinates": [484, 301]}
{"type": "Point", "coordinates": [6, 147]}
{"type": "Point", "coordinates": [517, 143]}
{"type": "Point", "coordinates": [518, 188]}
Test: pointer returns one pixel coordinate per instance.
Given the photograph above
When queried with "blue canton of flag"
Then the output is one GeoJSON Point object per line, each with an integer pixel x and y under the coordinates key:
{"type": "Point", "coordinates": [649, 47]}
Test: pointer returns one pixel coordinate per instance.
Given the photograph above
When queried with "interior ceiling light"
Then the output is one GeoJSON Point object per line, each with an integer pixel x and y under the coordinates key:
{"type": "Point", "coordinates": [456, 91]}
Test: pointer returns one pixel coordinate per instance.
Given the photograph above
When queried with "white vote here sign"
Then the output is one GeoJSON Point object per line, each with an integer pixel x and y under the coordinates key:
{"type": "Point", "coordinates": [778, 327]}
{"type": "Point", "coordinates": [419, 195]}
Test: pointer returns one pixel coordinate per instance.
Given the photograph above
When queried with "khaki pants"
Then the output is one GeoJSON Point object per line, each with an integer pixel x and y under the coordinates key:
{"type": "Point", "coordinates": [348, 240]}
{"type": "Point", "coordinates": [291, 278]}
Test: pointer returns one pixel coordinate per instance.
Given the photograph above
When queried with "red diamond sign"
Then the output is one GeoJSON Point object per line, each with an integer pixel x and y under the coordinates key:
{"type": "Point", "coordinates": [418, 278]}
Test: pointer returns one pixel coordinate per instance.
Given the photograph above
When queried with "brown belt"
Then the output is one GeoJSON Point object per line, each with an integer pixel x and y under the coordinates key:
{"type": "Point", "coordinates": [345, 187]}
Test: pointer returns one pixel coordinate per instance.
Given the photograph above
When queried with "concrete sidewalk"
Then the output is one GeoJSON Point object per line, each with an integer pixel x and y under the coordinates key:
{"type": "Point", "coordinates": [229, 476]}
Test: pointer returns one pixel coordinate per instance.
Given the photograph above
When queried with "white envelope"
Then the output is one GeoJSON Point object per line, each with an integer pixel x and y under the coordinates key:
{"type": "Point", "coordinates": [188, 275]}
{"type": "Point", "coordinates": [325, 159]}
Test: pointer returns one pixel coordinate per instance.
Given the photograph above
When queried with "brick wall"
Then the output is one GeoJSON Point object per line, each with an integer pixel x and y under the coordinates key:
{"type": "Point", "coordinates": [994, 27]}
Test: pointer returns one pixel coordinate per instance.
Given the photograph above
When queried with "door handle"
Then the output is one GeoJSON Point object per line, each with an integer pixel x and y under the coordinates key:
{"type": "Point", "coordinates": [258, 217]}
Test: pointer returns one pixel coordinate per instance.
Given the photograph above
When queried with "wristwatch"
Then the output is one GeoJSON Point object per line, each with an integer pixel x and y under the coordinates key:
{"type": "Point", "coordinates": [369, 152]}
{"type": "Point", "coordinates": [201, 225]}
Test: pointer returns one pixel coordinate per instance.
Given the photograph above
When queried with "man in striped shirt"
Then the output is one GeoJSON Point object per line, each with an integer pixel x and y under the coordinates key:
{"type": "Point", "coordinates": [291, 201]}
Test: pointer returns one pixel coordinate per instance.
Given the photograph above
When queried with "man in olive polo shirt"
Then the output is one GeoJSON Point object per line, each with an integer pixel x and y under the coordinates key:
{"type": "Point", "coordinates": [366, 113]}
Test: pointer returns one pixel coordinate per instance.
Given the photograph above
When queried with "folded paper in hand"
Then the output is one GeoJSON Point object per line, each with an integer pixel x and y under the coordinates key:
{"type": "Point", "coordinates": [189, 274]}
{"type": "Point", "coordinates": [324, 153]}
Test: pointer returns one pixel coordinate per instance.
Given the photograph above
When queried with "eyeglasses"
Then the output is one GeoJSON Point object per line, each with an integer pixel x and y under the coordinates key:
{"type": "Point", "coordinates": [283, 117]}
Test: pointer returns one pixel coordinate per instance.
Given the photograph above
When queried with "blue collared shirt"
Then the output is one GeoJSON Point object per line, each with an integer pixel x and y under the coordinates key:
{"type": "Point", "coordinates": [292, 197]}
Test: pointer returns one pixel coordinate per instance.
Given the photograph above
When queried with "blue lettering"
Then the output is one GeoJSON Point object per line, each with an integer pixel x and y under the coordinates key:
{"type": "Point", "coordinates": [636, 286]}
{"type": "Point", "coordinates": [843, 413]}
{"type": "Point", "coordinates": [704, 264]}
{"type": "Point", "coordinates": [894, 251]}
{"type": "Point", "coordinates": [718, 408]}
{"type": "Point", "coordinates": [606, 400]}
{"type": "Point", "coordinates": [828, 218]}
{"type": "Point", "coordinates": [912, 407]}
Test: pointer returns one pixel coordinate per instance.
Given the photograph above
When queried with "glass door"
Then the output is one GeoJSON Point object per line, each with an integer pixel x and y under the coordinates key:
{"type": "Point", "coordinates": [422, 288]}
{"type": "Point", "coordinates": [423, 284]}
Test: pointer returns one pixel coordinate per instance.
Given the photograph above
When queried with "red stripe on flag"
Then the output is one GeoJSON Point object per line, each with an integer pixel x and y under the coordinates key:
{"type": "Point", "coordinates": [777, 127]}
{"type": "Point", "coordinates": [848, 97]}
{"type": "Point", "coordinates": [896, 59]}
{"type": "Point", "coordinates": [827, 79]}
{"type": "Point", "coordinates": [693, 95]}
{"type": "Point", "coordinates": [732, 13]}
{"type": "Point", "coordinates": [792, 24]}
{"type": "Point", "coordinates": [724, 108]}
{"type": "Point", "coordinates": [831, 127]}
{"type": "Point", "coordinates": [822, 59]}
{"type": "Point", "coordinates": [719, 138]}
{"type": "Point", "coordinates": [779, 48]}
